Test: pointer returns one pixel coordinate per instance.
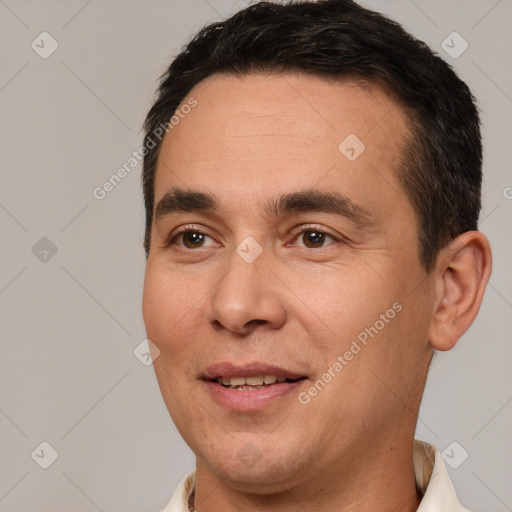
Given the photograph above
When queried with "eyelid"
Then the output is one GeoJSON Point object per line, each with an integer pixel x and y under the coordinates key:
{"type": "Point", "coordinates": [170, 239]}
{"type": "Point", "coordinates": [298, 230]}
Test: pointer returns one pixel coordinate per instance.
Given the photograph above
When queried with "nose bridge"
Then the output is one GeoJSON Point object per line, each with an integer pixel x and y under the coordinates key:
{"type": "Point", "coordinates": [244, 297]}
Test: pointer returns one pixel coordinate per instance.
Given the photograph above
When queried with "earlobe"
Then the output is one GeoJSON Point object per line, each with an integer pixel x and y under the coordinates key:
{"type": "Point", "coordinates": [462, 271]}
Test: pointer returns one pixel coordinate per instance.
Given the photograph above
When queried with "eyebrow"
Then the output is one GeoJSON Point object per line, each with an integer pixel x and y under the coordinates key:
{"type": "Point", "coordinates": [179, 200]}
{"type": "Point", "coordinates": [304, 201]}
{"type": "Point", "coordinates": [310, 200]}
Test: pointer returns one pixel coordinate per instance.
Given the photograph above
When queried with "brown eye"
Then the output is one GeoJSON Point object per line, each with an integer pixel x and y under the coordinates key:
{"type": "Point", "coordinates": [192, 239]}
{"type": "Point", "coordinates": [313, 239]}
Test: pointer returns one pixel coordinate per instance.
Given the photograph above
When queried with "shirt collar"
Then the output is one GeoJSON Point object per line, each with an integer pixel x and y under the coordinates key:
{"type": "Point", "coordinates": [432, 481]}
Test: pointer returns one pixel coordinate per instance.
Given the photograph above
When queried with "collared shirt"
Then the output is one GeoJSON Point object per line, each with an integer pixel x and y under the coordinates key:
{"type": "Point", "coordinates": [432, 481]}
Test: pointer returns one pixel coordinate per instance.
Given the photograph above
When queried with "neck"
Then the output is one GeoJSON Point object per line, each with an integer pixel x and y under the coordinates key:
{"type": "Point", "coordinates": [376, 479]}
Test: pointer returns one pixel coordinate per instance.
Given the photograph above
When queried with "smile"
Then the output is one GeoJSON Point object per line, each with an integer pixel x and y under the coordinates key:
{"type": "Point", "coordinates": [252, 383]}
{"type": "Point", "coordinates": [250, 387]}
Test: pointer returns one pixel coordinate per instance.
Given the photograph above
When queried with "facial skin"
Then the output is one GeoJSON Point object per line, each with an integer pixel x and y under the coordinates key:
{"type": "Point", "coordinates": [299, 305]}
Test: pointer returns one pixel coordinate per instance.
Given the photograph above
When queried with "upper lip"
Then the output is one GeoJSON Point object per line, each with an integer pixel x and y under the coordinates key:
{"type": "Point", "coordinates": [253, 369]}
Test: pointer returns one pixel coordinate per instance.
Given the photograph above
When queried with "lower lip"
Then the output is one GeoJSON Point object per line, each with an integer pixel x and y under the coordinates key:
{"type": "Point", "coordinates": [246, 400]}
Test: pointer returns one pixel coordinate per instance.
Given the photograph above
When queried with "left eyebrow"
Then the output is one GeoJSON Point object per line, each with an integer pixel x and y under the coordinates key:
{"type": "Point", "coordinates": [313, 201]}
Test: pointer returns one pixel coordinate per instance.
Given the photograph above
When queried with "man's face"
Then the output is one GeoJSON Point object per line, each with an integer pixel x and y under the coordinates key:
{"type": "Point", "coordinates": [299, 260]}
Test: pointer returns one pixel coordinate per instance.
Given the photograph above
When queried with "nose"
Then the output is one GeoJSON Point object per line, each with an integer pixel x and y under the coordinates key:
{"type": "Point", "coordinates": [246, 298]}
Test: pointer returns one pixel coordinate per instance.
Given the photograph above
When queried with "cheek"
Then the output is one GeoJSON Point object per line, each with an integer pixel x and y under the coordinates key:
{"type": "Point", "coordinates": [344, 300]}
{"type": "Point", "coordinates": [167, 304]}
{"type": "Point", "coordinates": [168, 312]}
{"type": "Point", "coordinates": [155, 310]}
{"type": "Point", "coordinates": [364, 315]}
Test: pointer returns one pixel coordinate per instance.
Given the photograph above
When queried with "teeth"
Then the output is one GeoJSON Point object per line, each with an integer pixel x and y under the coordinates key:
{"type": "Point", "coordinates": [246, 382]}
{"type": "Point", "coordinates": [254, 381]}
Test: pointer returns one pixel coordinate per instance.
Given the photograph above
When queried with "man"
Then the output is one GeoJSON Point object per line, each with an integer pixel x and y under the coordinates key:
{"type": "Point", "coordinates": [312, 191]}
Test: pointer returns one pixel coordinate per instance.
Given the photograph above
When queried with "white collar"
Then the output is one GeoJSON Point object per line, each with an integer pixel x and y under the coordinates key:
{"type": "Point", "coordinates": [431, 479]}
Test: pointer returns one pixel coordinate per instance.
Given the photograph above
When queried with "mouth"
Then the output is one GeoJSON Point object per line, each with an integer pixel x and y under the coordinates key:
{"type": "Point", "coordinates": [253, 383]}
{"type": "Point", "coordinates": [251, 386]}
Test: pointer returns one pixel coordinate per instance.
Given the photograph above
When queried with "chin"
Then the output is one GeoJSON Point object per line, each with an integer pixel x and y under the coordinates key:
{"type": "Point", "coordinates": [250, 469]}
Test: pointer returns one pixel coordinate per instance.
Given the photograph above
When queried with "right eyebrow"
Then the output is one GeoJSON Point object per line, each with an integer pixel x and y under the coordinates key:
{"type": "Point", "coordinates": [179, 200]}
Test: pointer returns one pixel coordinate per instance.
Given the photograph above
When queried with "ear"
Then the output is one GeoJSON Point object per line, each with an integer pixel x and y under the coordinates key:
{"type": "Point", "coordinates": [462, 271]}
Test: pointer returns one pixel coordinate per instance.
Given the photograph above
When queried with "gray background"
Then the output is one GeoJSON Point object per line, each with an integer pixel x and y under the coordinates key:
{"type": "Point", "coordinates": [70, 323]}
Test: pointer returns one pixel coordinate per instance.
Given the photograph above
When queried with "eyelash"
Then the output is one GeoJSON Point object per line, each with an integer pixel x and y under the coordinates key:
{"type": "Point", "coordinates": [185, 229]}
{"type": "Point", "coordinates": [296, 234]}
{"type": "Point", "coordinates": [304, 228]}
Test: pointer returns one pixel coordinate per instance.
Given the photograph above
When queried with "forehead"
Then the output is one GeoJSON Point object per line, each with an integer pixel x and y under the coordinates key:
{"type": "Point", "coordinates": [263, 132]}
